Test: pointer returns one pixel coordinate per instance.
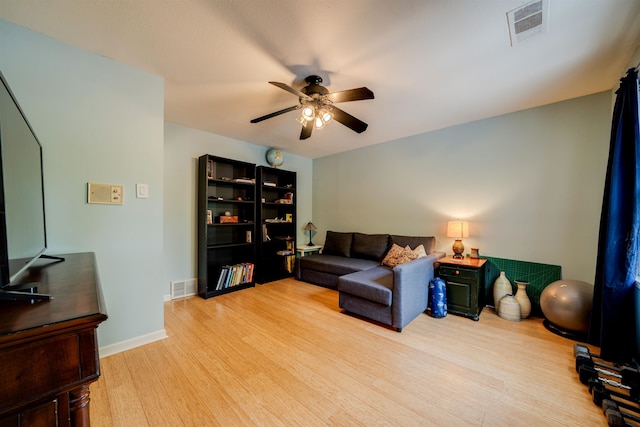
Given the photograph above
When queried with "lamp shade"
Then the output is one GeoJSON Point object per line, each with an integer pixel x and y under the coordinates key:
{"type": "Point", "coordinates": [310, 226]}
{"type": "Point", "coordinates": [458, 229]}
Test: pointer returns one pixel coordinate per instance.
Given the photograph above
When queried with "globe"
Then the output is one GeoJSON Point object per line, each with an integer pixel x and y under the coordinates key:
{"type": "Point", "coordinates": [275, 157]}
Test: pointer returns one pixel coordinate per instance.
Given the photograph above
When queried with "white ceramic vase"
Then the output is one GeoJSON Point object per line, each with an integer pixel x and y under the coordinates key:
{"type": "Point", "coordinates": [523, 299]}
{"type": "Point", "coordinates": [509, 308]}
{"type": "Point", "coordinates": [501, 287]}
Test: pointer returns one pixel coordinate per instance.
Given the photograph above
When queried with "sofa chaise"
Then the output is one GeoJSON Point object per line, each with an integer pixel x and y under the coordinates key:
{"type": "Point", "coordinates": [354, 264]}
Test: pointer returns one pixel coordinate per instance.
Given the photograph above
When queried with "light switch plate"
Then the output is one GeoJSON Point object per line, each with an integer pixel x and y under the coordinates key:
{"type": "Point", "coordinates": [142, 191]}
{"type": "Point", "coordinates": [106, 194]}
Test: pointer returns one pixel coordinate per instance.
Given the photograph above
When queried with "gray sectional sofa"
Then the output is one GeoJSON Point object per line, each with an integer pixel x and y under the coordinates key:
{"type": "Point", "coordinates": [351, 263]}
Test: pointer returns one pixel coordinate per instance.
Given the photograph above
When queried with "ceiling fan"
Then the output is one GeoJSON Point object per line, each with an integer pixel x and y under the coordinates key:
{"type": "Point", "coordinates": [318, 108]}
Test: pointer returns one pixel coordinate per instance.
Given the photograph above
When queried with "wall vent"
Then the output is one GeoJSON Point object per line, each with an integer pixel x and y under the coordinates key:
{"type": "Point", "coordinates": [183, 288]}
{"type": "Point", "coordinates": [528, 20]}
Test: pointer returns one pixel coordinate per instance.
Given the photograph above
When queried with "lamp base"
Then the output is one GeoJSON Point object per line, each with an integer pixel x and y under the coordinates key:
{"type": "Point", "coordinates": [458, 249]}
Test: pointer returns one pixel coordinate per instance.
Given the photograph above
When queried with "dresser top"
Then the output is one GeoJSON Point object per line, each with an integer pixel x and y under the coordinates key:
{"type": "Point", "coordinates": [77, 297]}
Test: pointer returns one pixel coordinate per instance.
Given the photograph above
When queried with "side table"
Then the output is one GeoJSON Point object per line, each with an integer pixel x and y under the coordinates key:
{"type": "Point", "coordinates": [464, 279]}
{"type": "Point", "coordinates": [308, 250]}
{"type": "Point", "coordinates": [302, 251]}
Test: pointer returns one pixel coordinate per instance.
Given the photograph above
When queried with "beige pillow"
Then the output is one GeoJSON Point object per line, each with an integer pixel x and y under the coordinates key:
{"type": "Point", "coordinates": [420, 252]}
{"type": "Point", "coordinates": [398, 255]}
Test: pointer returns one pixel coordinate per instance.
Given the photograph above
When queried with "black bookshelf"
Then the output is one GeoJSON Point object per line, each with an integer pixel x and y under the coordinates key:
{"type": "Point", "coordinates": [226, 243]}
{"type": "Point", "coordinates": [276, 223]}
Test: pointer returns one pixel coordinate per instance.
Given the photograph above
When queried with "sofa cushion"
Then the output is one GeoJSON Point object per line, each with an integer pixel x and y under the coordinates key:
{"type": "Point", "coordinates": [398, 255]}
{"type": "Point", "coordinates": [335, 264]}
{"type": "Point", "coordinates": [369, 246]}
{"type": "Point", "coordinates": [429, 243]}
{"type": "Point", "coordinates": [337, 243]}
{"type": "Point", "coordinates": [375, 284]}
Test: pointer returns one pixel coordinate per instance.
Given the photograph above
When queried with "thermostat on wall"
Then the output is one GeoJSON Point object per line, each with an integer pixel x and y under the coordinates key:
{"type": "Point", "coordinates": [105, 194]}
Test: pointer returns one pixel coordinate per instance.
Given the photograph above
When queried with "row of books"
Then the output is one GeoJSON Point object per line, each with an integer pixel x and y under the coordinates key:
{"type": "Point", "coordinates": [232, 275]}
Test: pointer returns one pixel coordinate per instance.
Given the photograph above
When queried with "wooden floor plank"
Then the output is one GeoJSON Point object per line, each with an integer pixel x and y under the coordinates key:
{"type": "Point", "coordinates": [284, 354]}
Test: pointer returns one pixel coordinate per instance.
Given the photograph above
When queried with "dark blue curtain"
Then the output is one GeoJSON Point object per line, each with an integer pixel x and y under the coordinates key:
{"type": "Point", "coordinates": [613, 325]}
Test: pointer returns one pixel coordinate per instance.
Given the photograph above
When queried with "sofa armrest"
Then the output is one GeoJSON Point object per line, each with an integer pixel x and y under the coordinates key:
{"type": "Point", "coordinates": [411, 288]}
{"type": "Point", "coordinates": [417, 271]}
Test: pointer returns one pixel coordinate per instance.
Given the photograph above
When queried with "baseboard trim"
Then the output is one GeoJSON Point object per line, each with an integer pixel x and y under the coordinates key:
{"type": "Point", "coordinates": [111, 349]}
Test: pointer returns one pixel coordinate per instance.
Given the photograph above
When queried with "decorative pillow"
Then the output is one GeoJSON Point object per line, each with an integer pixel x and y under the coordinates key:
{"type": "Point", "coordinates": [369, 246]}
{"type": "Point", "coordinates": [398, 255]}
{"type": "Point", "coordinates": [407, 255]}
{"type": "Point", "coordinates": [337, 243]}
{"type": "Point", "coordinates": [394, 253]}
{"type": "Point", "coordinates": [429, 243]}
{"type": "Point", "coordinates": [420, 252]}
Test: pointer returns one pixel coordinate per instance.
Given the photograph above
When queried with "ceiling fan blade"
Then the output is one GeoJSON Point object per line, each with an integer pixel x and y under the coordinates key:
{"type": "Point", "coordinates": [348, 120]}
{"type": "Point", "coordinates": [277, 113]}
{"type": "Point", "coordinates": [357, 94]}
{"type": "Point", "coordinates": [290, 90]}
{"type": "Point", "coordinates": [306, 129]}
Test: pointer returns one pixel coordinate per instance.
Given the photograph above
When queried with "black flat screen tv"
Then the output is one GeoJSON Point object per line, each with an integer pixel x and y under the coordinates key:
{"type": "Point", "coordinates": [23, 237]}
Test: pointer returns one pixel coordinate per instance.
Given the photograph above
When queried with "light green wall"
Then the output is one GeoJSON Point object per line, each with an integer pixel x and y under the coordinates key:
{"type": "Point", "coordinates": [530, 184]}
{"type": "Point", "coordinates": [98, 121]}
{"type": "Point", "coordinates": [182, 147]}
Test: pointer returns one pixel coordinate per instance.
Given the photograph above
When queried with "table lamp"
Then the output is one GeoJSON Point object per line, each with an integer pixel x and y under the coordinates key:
{"type": "Point", "coordinates": [458, 230]}
{"type": "Point", "coordinates": [310, 227]}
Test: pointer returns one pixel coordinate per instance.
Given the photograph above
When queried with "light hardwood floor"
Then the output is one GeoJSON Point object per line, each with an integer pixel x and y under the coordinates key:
{"type": "Point", "coordinates": [284, 354]}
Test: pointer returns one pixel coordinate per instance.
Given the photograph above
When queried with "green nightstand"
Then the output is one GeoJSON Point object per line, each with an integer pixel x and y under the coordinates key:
{"type": "Point", "coordinates": [464, 279]}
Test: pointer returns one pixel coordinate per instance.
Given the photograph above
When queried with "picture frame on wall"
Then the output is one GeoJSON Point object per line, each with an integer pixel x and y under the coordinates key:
{"type": "Point", "coordinates": [211, 172]}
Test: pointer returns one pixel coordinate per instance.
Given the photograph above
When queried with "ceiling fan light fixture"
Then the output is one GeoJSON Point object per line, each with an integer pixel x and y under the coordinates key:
{"type": "Point", "coordinates": [319, 123]}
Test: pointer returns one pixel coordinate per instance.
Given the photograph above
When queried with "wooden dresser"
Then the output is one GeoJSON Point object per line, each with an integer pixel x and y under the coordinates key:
{"type": "Point", "coordinates": [49, 350]}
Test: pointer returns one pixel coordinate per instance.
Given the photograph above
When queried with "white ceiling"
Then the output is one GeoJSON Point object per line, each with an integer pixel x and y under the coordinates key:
{"type": "Point", "coordinates": [431, 63]}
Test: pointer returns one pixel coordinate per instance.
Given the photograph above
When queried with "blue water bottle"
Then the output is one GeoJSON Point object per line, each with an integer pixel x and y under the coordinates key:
{"type": "Point", "coordinates": [438, 297]}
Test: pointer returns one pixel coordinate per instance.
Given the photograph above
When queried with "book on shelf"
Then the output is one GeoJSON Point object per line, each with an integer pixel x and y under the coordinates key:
{"type": "Point", "coordinates": [229, 279]}
{"type": "Point", "coordinates": [269, 184]}
{"type": "Point", "coordinates": [222, 277]}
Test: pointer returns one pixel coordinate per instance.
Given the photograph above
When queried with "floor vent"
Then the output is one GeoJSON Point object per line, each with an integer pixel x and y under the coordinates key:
{"type": "Point", "coordinates": [183, 288]}
{"type": "Point", "coordinates": [528, 21]}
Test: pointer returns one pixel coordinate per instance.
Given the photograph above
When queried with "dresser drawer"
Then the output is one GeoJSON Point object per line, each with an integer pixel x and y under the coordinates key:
{"type": "Point", "coordinates": [453, 273]}
{"type": "Point", "coordinates": [31, 370]}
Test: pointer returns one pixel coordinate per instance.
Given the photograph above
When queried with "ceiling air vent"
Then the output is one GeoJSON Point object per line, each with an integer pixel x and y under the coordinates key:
{"type": "Point", "coordinates": [528, 20]}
